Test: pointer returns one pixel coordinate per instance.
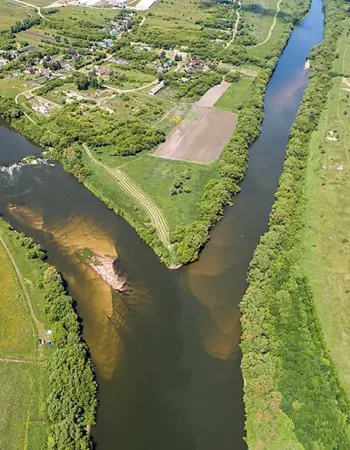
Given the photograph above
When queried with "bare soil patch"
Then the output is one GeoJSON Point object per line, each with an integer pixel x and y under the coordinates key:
{"type": "Point", "coordinates": [201, 136]}
{"type": "Point", "coordinates": [213, 94]}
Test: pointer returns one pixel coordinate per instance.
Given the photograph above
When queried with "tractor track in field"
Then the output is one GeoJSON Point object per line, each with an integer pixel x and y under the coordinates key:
{"type": "Point", "coordinates": [152, 210]}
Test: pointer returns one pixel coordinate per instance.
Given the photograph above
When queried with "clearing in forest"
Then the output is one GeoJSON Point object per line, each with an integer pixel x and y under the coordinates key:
{"type": "Point", "coordinates": [203, 134]}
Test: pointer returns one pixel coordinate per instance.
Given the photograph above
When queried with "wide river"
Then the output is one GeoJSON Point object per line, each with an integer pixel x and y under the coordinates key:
{"type": "Point", "coordinates": [166, 351]}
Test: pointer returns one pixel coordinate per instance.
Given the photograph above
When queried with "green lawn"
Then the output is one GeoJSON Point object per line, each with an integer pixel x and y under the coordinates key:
{"type": "Point", "coordinates": [22, 383]}
{"type": "Point", "coordinates": [235, 96]}
{"type": "Point", "coordinates": [10, 13]}
{"type": "Point", "coordinates": [327, 238]}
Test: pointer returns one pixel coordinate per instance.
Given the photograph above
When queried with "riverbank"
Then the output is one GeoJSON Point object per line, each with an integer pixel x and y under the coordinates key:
{"type": "Point", "coordinates": [326, 240]}
{"type": "Point", "coordinates": [173, 205]}
{"type": "Point", "coordinates": [22, 374]}
{"type": "Point", "coordinates": [281, 330]}
{"type": "Point", "coordinates": [38, 366]}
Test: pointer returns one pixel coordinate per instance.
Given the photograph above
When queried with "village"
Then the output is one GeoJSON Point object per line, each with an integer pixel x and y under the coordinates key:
{"type": "Point", "coordinates": [46, 68]}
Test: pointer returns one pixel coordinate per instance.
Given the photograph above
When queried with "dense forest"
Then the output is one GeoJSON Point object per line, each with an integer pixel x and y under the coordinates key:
{"type": "Point", "coordinates": [293, 396]}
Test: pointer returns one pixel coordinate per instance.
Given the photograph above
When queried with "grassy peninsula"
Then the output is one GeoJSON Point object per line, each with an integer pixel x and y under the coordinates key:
{"type": "Point", "coordinates": [108, 92]}
{"type": "Point", "coordinates": [48, 393]}
{"type": "Point", "coordinates": [295, 337]}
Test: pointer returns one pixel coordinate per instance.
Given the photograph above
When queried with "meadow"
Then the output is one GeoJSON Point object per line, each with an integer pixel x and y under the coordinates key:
{"type": "Point", "coordinates": [10, 13]}
{"type": "Point", "coordinates": [327, 239]}
{"type": "Point", "coordinates": [22, 376]}
{"type": "Point", "coordinates": [236, 95]}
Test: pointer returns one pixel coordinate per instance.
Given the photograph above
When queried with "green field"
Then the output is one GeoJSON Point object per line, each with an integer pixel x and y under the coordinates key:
{"type": "Point", "coordinates": [259, 17]}
{"type": "Point", "coordinates": [235, 96]}
{"type": "Point", "coordinates": [182, 13]}
{"type": "Point", "coordinates": [178, 209]}
{"type": "Point", "coordinates": [10, 13]}
{"type": "Point", "coordinates": [22, 375]}
{"type": "Point", "coordinates": [327, 238]}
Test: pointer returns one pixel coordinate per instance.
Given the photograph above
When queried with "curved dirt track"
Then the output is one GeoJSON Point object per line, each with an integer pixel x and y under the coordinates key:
{"type": "Point", "coordinates": [272, 26]}
{"type": "Point", "coordinates": [40, 327]}
{"type": "Point", "coordinates": [155, 214]}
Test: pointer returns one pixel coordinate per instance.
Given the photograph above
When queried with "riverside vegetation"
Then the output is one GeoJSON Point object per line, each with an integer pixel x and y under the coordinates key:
{"type": "Point", "coordinates": [123, 140]}
{"type": "Point", "coordinates": [293, 395]}
{"type": "Point", "coordinates": [51, 389]}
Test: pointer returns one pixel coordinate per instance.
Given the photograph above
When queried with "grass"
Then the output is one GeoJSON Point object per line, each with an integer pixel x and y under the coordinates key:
{"type": "Point", "coordinates": [21, 423]}
{"type": "Point", "coordinates": [235, 96]}
{"type": "Point", "coordinates": [260, 25]}
{"type": "Point", "coordinates": [17, 329]}
{"type": "Point", "coordinates": [10, 87]}
{"type": "Point", "coordinates": [327, 239]}
{"type": "Point", "coordinates": [182, 13]}
{"type": "Point", "coordinates": [35, 35]}
{"type": "Point", "coordinates": [178, 209]}
{"type": "Point", "coordinates": [10, 13]}
{"type": "Point", "coordinates": [22, 383]}
{"type": "Point", "coordinates": [258, 14]}
{"type": "Point", "coordinates": [134, 78]}
{"type": "Point", "coordinates": [98, 17]}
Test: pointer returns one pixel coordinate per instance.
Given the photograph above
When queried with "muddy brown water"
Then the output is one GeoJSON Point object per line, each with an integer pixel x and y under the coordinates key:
{"type": "Point", "coordinates": [166, 352]}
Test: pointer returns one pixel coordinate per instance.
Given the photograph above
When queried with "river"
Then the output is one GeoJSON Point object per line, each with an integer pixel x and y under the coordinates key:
{"type": "Point", "coordinates": [166, 351]}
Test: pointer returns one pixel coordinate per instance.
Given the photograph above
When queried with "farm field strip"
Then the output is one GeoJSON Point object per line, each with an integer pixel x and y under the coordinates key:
{"type": "Point", "coordinates": [201, 136]}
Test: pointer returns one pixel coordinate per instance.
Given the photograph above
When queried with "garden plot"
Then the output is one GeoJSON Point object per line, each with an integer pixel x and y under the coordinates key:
{"type": "Point", "coordinates": [203, 134]}
{"type": "Point", "coordinates": [199, 140]}
{"type": "Point", "coordinates": [213, 94]}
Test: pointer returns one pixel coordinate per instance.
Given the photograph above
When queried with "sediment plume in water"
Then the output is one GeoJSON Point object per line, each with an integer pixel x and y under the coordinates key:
{"type": "Point", "coordinates": [95, 296]}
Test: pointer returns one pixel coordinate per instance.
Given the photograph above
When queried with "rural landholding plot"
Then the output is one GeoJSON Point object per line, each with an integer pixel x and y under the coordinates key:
{"type": "Point", "coordinates": [203, 134]}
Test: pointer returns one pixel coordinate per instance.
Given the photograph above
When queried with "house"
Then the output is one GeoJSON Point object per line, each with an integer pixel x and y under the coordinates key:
{"type": "Point", "coordinates": [2, 63]}
{"type": "Point", "coordinates": [182, 55]}
{"type": "Point", "coordinates": [157, 88]}
{"type": "Point", "coordinates": [108, 42]}
{"type": "Point", "coordinates": [103, 71]}
{"type": "Point", "coordinates": [42, 109]}
{"type": "Point", "coordinates": [121, 62]}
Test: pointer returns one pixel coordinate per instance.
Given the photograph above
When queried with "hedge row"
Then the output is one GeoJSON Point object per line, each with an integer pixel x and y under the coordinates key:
{"type": "Point", "coordinates": [292, 392]}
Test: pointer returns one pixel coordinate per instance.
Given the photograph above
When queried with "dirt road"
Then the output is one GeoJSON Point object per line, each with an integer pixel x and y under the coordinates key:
{"type": "Point", "coordinates": [40, 327]}
{"type": "Point", "coordinates": [272, 26]}
{"type": "Point", "coordinates": [38, 9]}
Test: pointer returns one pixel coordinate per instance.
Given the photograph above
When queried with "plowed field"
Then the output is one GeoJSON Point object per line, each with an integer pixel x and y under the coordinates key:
{"type": "Point", "coordinates": [199, 140]}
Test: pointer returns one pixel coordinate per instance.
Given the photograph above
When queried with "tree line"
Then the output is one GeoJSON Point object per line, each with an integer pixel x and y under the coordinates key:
{"type": "Point", "coordinates": [71, 402]}
{"type": "Point", "coordinates": [292, 392]}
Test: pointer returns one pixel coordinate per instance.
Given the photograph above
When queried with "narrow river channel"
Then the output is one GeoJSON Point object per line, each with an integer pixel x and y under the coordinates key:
{"type": "Point", "coordinates": [166, 351]}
